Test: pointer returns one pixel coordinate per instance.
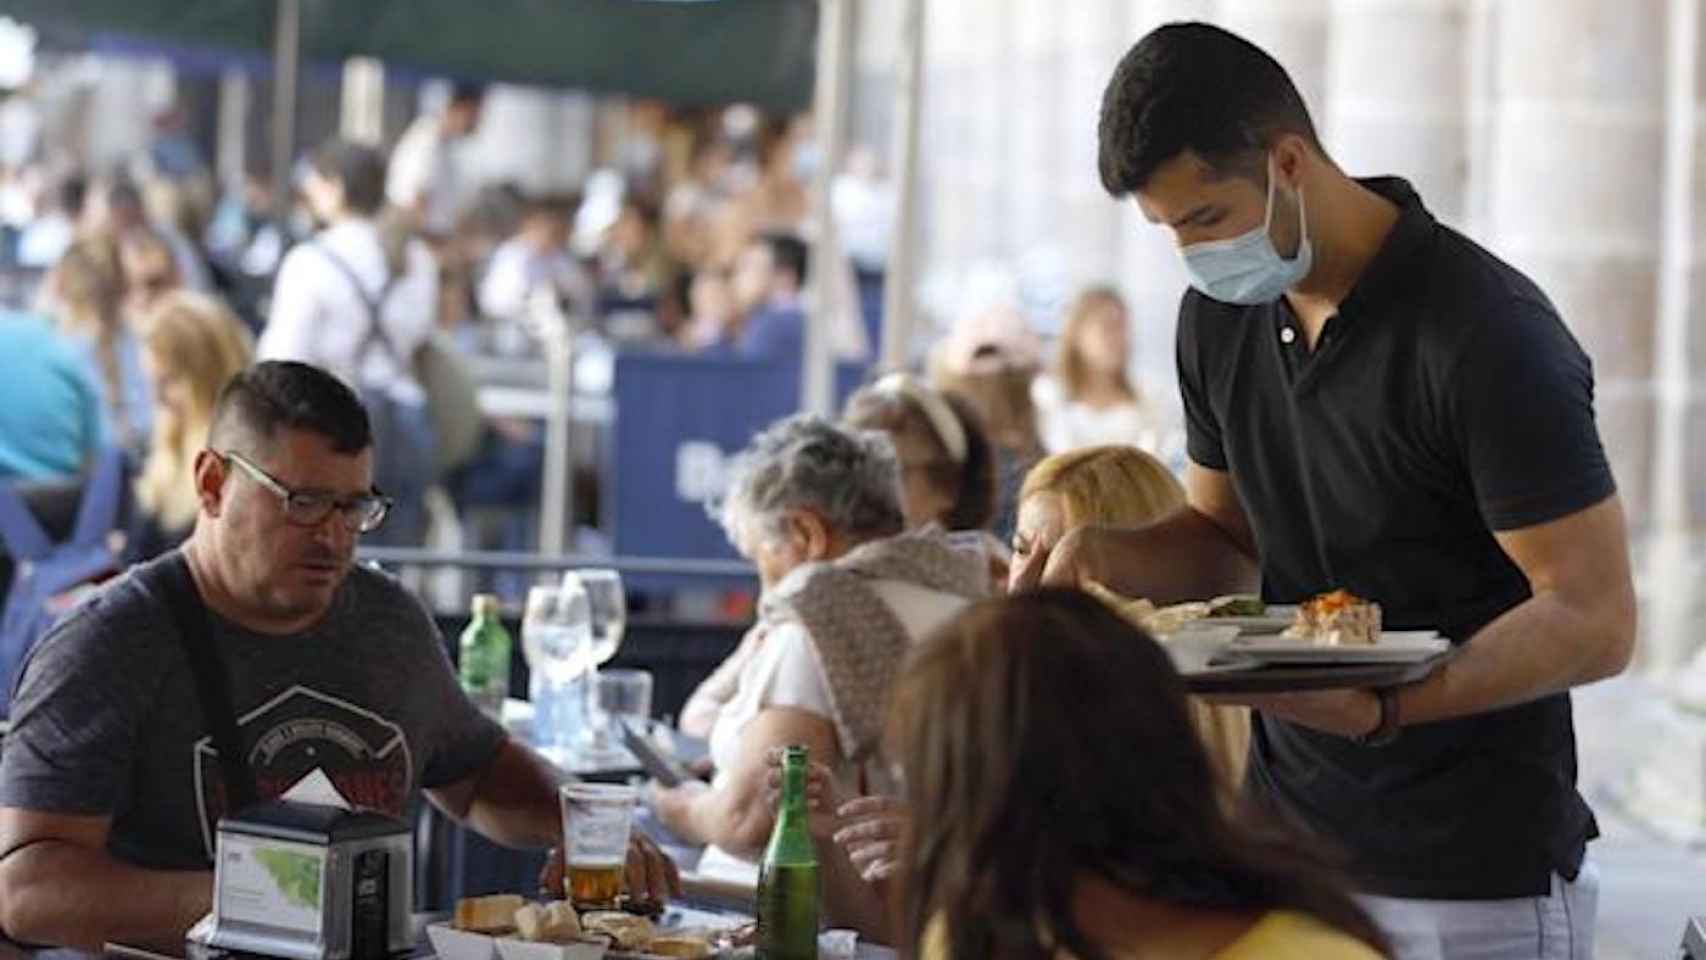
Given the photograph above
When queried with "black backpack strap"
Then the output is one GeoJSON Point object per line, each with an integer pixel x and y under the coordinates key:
{"type": "Point", "coordinates": [375, 305]}
{"type": "Point", "coordinates": [213, 684]}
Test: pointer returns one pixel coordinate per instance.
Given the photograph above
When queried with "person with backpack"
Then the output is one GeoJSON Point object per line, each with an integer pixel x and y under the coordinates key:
{"type": "Point", "coordinates": [360, 299]}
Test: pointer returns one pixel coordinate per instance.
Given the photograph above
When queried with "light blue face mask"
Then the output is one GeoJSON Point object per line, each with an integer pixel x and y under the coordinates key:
{"type": "Point", "coordinates": [1246, 269]}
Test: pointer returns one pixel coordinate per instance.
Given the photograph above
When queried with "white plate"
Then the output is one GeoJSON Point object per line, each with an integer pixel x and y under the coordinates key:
{"type": "Point", "coordinates": [1277, 618]}
{"type": "Point", "coordinates": [1411, 646]}
{"type": "Point", "coordinates": [450, 943]}
{"type": "Point", "coordinates": [1193, 645]}
{"type": "Point", "coordinates": [511, 949]}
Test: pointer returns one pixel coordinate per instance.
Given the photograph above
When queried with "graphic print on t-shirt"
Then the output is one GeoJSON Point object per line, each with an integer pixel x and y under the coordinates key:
{"type": "Point", "coordinates": [302, 730]}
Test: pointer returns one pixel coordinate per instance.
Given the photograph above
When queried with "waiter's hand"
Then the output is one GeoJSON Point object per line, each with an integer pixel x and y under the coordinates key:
{"type": "Point", "coordinates": [1345, 713]}
{"type": "Point", "coordinates": [1071, 562]}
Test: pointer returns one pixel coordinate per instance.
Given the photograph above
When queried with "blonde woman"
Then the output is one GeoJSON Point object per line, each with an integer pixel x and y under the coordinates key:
{"type": "Point", "coordinates": [191, 346]}
{"type": "Point", "coordinates": [85, 294]}
{"type": "Point", "coordinates": [1125, 487]}
{"type": "Point", "coordinates": [1088, 398]}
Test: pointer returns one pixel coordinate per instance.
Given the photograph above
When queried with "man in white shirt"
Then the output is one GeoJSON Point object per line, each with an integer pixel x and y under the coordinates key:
{"type": "Point", "coordinates": [423, 177]}
{"type": "Point", "coordinates": [535, 258]}
{"type": "Point", "coordinates": [328, 294]}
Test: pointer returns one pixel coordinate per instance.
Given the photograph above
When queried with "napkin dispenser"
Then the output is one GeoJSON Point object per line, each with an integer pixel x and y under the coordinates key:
{"type": "Point", "coordinates": [312, 882]}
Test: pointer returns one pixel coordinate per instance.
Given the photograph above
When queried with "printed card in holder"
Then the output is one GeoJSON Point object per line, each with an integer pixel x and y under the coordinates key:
{"type": "Point", "coordinates": [273, 883]}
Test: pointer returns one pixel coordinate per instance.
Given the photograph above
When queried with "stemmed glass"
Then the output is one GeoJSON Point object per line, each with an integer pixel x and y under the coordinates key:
{"type": "Point", "coordinates": [607, 602]}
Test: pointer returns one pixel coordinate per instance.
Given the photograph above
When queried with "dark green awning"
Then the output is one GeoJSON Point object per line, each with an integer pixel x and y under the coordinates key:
{"type": "Point", "coordinates": [683, 51]}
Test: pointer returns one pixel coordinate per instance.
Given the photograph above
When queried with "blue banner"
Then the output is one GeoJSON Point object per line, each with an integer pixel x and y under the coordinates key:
{"type": "Point", "coordinates": [678, 421]}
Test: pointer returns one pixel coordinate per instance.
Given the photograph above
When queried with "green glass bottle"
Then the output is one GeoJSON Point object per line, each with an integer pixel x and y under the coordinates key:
{"type": "Point", "coordinates": [483, 666]}
{"type": "Point", "coordinates": [788, 891]}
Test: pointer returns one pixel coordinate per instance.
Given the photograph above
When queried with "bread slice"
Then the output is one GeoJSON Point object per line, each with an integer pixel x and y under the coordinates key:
{"type": "Point", "coordinates": [493, 914]}
{"type": "Point", "coordinates": [548, 923]}
{"type": "Point", "coordinates": [629, 932]}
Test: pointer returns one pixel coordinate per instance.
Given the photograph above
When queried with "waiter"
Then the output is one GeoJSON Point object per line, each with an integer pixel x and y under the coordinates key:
{"type": "Point", "coordinates": [1375, 403]}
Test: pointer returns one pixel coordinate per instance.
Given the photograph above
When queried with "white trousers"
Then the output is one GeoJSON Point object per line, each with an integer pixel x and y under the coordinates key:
{"type": "Point", "coordinates": [1558, 926]}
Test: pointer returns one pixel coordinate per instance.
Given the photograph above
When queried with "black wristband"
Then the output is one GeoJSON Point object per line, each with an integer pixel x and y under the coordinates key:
{"type": "Point", "coordinates": [1389, 727]}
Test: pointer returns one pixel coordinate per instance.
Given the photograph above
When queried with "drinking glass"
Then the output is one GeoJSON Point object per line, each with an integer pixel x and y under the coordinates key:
{"type": "Point", "coordinates": [596, 820]}
{"type": "Point", "coordinates": [556, 635]}
{"type": "Point", "coordinates": [607, 603]}
{"type": "Point", "coordinates": [620, 696]}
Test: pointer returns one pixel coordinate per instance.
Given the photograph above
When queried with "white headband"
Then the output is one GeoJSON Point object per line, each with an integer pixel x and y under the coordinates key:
{"type": "Point", "coordinates": [942, 419]}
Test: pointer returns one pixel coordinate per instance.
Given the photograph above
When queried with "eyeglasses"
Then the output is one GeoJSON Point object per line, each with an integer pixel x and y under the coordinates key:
{"type": "Point", "coordinates": [362, 514]}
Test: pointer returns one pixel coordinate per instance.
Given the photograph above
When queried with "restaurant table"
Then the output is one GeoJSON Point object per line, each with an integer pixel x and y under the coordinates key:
{"type": "Point", "coordinates": [684, 915]}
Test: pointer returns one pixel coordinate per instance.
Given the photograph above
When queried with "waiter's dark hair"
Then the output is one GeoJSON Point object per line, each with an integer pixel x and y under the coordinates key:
{"type": "Point", "coordinates": [1044, 740]}
{"type": "Point", "coordinates": [1195, 87]}
{"type": "Point", "coordinates": [279, 395]}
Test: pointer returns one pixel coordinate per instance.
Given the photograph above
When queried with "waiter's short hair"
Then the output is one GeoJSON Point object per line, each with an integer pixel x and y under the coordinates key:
{"type": "Point", "coordinates": [1198, 88]}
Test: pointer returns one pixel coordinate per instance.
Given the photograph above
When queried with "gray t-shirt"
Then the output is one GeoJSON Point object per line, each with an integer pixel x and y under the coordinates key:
{"type": "Point", "coordinates": [106, 720]}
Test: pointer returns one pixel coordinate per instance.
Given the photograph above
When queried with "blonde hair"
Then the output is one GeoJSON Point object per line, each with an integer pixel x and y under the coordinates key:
{"type": "Point", "coordinates": [1070, 367]}
{"type": "Point", "coordinates": [1125, 487]}
{"type": "Point", "coordinates": [196, 338]}
{"type": "Point", "coordinates": [1113, 485]}
{"type": "Point", "coordinates": [88, 293]}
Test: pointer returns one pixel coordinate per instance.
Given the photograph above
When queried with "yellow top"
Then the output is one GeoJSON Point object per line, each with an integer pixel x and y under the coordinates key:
{"type": "Point", "coordinates": [1284, 935]}
{"type": "Point", "coordinates": [1279, 935]}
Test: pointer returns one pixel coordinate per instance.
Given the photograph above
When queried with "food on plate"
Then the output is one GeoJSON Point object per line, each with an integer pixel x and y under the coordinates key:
{"type": "Point", "coordinates": [678, 947]}
{"type": "Point", "coordinates": [493, 914]}
{"type": "Point", "coordinates": [1237, 605]}
{"type": "Point", "coordinates": [744, 935]}
{"type": "Point", "coordinates": [627, 931]}
{"type": "Point", "coordinates": [1172, 619]}
{"type": "Point", "coordinates": [1337, 619]}
{"type": "Point", "coordinates": [1144, 614]}
{"type": "Point", "coordinates": [548, 923]}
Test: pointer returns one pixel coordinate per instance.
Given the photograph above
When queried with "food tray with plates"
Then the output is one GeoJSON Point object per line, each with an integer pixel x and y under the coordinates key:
{"type": "Point", "coordinates": [1394, 646]}
{"type": "Point", "coordinates": [1239, 674]}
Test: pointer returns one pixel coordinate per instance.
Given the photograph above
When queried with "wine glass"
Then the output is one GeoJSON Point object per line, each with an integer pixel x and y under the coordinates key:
{"type": "Point", "coordinates": [608, 603]}
{"type": "Point", "coordinates": [556, 636]}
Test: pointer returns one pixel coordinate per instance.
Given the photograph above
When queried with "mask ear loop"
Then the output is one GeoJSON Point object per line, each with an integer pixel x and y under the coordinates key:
{"type": "Point", "coordinates": [1268, 215]}
{"type": "Point", "coordinates": [1302, 213]}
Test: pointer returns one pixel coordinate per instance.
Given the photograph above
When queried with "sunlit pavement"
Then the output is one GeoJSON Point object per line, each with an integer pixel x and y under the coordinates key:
{"type": "Point", "coordinates": [1650, 882]}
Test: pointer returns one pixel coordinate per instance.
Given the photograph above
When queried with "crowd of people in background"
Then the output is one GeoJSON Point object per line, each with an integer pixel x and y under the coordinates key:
{"type": "Point", "coordinates": [697, 242]}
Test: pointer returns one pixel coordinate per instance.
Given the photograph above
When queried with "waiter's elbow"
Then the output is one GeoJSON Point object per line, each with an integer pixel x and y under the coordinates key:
{"type": "Point", "coordinates": [1614, 629]}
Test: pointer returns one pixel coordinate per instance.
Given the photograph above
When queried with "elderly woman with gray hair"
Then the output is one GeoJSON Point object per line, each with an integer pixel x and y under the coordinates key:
{"type": "Point", "coordinates": [816, 506]}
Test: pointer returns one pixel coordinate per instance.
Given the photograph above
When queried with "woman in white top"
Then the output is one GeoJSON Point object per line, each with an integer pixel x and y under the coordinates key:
{"type": "Point", "coordinates": [1089, 400]}
{"type": "Point", "coordinates": [327, 295]}
{"type": "Point", "coordinates": [816, 506]}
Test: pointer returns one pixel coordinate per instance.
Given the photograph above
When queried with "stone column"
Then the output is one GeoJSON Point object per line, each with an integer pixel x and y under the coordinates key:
{"type": "Point", "coordinates": [1578, 151]}
{"type": "Point", "coordinates": [1294, 32]}
{"type": "Point", "coordinates": [1396, 101]}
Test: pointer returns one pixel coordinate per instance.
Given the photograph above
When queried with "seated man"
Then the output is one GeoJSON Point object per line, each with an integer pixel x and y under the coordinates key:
{"type": "Point", "coordinates": [769, 280]}
{"type": "Point", "coordinates": [110, 788]}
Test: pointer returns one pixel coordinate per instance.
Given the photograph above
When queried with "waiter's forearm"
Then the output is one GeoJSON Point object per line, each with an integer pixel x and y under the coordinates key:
{"type": "Point", "coordinates": [1546, 645]}
{"type": "Point", "coordinates": [60, 894]}
{"type": "Point", "coordinates": [1186, 556]}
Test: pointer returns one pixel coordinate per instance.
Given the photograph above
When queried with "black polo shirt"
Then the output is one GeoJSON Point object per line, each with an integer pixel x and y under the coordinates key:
{"type": "Point", "coordinates": [1445, 400]}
